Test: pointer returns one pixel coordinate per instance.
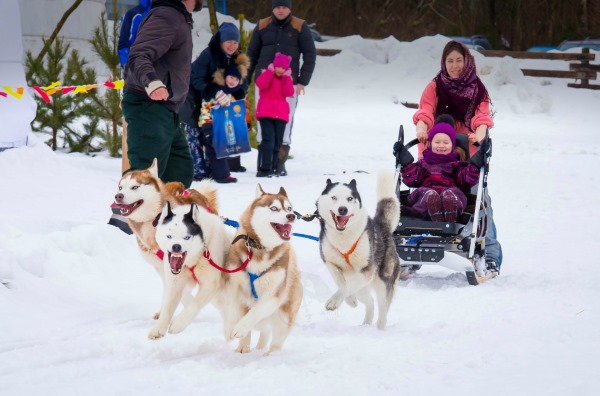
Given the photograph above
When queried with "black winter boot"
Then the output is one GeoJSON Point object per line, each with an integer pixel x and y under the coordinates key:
{"type": "Point", "coordinates": [284, 152]}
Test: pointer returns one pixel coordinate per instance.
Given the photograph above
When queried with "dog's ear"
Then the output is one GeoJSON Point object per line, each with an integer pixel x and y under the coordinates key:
{"type": "Point", "coordinates": [165, 215]}
{"type": "Point", "coordinates": [154, 168]}
{"type": "Point", "coordinates": [259, 191]}
{"type": "Point", "coordinates": [328, 182]}
{"type": "Point", "coordinates": [282, 192]}
{"type": "Point", "coordinates": [352, 183]}
{"type": "Point", "coordinates": [193, 213]}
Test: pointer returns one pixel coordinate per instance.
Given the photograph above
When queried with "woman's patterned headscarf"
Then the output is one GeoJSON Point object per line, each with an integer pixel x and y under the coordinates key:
{"type": "Point", "coordinates": [459, 97]}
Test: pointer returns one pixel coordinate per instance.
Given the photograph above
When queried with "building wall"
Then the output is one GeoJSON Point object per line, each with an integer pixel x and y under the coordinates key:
{"type": "Point", "coordinates": [40, 17]}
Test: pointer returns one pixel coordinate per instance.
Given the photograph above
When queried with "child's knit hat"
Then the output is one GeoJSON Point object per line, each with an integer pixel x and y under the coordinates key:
{"type": "Point", "coordinates": [232, 70]}
{"type": "Point", "coordinates": [444, 128]}
{"type": "Point", "coordinates": [282, 60]}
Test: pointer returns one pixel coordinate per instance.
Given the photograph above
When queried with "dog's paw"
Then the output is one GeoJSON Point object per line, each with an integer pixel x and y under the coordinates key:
{"type": "Point", "coordinates": [272, 350]}
{"type": "Point", "coordinates": [156, 315]}
{"type": "Point", "coordinates": [240, 331]}
{"type": "Point", "coordinates": [243, 347]}
{"type": "Point", "coordinates": [156, 332]}
{"type": "Point", "coordinates": [178, 325]}
{"type": "Point", "coordinates": [334, 302]}
{"type": "Point", "coordinates": [351, 300]}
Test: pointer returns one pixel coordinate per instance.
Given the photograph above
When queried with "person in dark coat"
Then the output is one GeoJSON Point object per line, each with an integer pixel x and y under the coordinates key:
{"type": "Point", "coordinates": [129, 27]}
{"type": "Point", "coordinates": [157, 76]}
{"type": "Point", "coordinates": [285, 33]}
{"type": "Point", "coordinates": [222, 52]}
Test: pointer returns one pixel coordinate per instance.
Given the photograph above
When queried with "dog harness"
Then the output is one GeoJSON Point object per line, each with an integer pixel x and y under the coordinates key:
{"type": "Point", "coordinates": [254, 277]}
{"type": "Point", "coordinates": [206, 255]}
{"type": "Point", "coordinates": [349, 252]}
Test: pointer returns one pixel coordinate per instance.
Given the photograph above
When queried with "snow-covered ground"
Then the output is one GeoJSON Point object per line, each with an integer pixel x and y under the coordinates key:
{"type": "Point", "coordinates": [80, 299]}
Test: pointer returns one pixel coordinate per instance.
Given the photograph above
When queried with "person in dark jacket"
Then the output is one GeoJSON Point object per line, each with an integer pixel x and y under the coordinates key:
{"type": "Point", "coordinates": [440, 177]}
{"type": "Point", "coordinates": [157, 76]}
{"type": "Point", "coordinates": [129, 27]}
{"type": "Point", "coordinates": [222, 51]}
{"type": "Point", "coordinates": [285, 33]}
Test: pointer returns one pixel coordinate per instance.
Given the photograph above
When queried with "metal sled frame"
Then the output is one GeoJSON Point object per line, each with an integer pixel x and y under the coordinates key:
{"type": "Point", "coordinates": [457, 246]}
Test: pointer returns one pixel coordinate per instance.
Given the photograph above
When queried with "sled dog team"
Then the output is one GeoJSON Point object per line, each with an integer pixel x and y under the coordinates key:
{"type": "Point", "coordinates": [252, 277]}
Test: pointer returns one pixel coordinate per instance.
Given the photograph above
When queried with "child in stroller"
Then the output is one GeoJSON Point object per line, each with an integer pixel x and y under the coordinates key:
{"type": "Point", "coordinates": [441, 176]}
{"type": "Point", "coordinates": [433, 228]}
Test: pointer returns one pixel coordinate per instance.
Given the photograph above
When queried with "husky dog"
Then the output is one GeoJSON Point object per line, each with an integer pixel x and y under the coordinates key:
{"type": "Point", "coordinates": [358, 250]}
{"type": "Point", "coordinates": [267, 293]}
{"type": "Point", "coordinates": [141, 196]}
{"type": "Point", "coordinates": [193, 239]}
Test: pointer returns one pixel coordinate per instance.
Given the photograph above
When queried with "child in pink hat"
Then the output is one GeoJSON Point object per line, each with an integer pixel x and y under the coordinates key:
{"type": "Point", "coordinates": [272, 111]}
{"type": "Point", "coordinates": [440, 176]}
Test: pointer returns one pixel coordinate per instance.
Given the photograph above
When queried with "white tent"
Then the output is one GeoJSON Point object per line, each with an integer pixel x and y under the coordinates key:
{"type": "Point", "coordinates": [16, 113]}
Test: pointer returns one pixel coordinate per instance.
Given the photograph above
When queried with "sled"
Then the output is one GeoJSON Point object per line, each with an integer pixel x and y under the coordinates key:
{"type": "Point", "coordinates": [457, 246]}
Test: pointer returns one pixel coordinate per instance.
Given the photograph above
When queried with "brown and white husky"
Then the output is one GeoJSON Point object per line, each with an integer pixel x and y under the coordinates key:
{"type": "Point", "coordinates": [266, 294]}
{"type": "Point", "coordinates": [141, 197]}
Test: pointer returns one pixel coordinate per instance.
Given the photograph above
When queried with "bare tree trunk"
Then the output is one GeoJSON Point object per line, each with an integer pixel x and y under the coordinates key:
{"type": "Point", "coordinates": [57, 29]}
{"type": "Point", "coordinates": [584, 18]}
{"type": "Point", "coordinates": [54, 133]}
{"type": "Point", "coordinates": [212, 12]}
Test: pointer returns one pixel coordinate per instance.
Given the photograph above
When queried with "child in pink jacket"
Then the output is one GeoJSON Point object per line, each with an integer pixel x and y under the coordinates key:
{"type": "Point", "coordinates": [275, 85]}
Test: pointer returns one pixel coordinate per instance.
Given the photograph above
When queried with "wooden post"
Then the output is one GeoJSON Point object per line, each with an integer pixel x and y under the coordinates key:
{"type": "Point", "coordinates": [124, 159]}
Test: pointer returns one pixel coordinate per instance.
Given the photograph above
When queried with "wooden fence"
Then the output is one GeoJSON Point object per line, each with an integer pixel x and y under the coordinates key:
{"type": "Point", "coordinates": [579, 68]}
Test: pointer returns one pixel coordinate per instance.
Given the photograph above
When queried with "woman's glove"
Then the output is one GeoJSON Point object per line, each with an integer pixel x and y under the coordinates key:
{"type": "Point", "coordinates": [271, 67]}
{"type": "Point", "coordinates": [485, 151]}
{"type": "Point", "coordinates": [403, 156]}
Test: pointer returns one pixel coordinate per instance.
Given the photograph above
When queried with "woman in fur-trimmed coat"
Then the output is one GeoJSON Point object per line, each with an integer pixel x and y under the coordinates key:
{"type": "Point", "coordinates": [206, 80]}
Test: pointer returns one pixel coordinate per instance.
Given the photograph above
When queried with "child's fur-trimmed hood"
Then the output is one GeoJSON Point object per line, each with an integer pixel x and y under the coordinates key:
{"type": "Point", "coordinates": [242, 61]}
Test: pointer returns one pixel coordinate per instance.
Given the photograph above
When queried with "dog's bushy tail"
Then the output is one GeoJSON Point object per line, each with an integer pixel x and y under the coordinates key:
{"type": "Point", "coordinates": [208, 189]}
{"type": "Point", "coordinates": [388, 205]}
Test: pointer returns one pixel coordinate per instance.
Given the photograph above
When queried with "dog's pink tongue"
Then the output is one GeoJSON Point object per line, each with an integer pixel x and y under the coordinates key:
{"type": "Point", "coordinates": [341, 221]}
{"type": "Point", "coordinates": [125, 209]}
{"type": "Point", "coordinates": [284, 230]}
{"type": "Point", "coordinates": [176, 262]}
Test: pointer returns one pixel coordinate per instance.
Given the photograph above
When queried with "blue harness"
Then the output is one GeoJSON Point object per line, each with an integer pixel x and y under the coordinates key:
{"type": "Point", "coordinates": [254, 277]}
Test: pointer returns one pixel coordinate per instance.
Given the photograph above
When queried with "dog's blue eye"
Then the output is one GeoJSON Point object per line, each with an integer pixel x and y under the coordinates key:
{"type": "Point", "coordinates": [289, 208]}
{"type": "Point", "coordinates": [349, 199]}
{"type": "Point", "coordinates": [120, 188]}
{"type": "Point", "coordinates": [334, 198]}
{"type": "Point", "coordinates": [169, 237]}
{"type": "Point", "coordinates": [135, 187]}
{"type": "Point", "coordinates": [274, 208]}
{"type": "Point", "coordinates": [187, 237]}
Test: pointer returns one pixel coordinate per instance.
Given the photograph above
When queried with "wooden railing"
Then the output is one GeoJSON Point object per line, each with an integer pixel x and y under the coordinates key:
{"type": "Point", "coordinates": [579, 68]}
{"type": "Point", "coordinates": [327, 51]}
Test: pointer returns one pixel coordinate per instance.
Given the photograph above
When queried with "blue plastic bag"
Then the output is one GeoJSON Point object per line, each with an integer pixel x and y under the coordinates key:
{"type": "Point", "coordinates": [230, 132]}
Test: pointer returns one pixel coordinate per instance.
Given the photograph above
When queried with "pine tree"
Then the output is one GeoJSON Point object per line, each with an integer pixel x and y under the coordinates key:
{"type": "Point", "coordinates": [64, 111]}
{"type": "Point", "coordinates": [108, 104]}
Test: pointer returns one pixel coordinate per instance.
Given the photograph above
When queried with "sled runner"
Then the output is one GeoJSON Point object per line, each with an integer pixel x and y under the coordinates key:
{"type": "Point", "coordinates": [457, 246]}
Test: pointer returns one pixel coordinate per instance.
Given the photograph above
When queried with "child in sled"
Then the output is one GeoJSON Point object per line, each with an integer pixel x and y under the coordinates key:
{"type": "Point", "coordinates": [273, 111]}
{"type": "Point", "coordinates": [440, 176]}
{"type": "Point", "coordinates": [226, 87]}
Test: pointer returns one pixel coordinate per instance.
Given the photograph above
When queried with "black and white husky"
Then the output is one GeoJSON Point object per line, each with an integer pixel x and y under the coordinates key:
{"type": "Point", "coordinates": [358, 250]}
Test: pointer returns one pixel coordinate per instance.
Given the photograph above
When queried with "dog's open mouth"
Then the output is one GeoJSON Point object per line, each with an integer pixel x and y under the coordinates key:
{"type": "Point", "coordinates": [284, 230]}
{"type": "Point", "coordinates": [340, 221]}
{"type": "Point", "coordinates": [126, 210]}
{"type": "Point", "coordinates": [176, 261]}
